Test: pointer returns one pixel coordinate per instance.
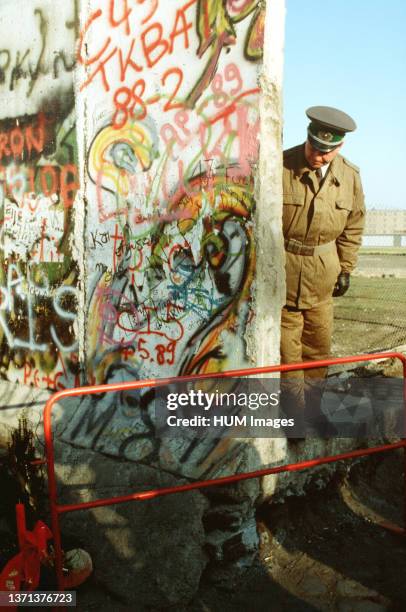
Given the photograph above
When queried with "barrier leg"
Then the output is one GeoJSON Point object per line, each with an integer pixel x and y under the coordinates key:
{"type": "Point", "coordinates": [404, 487]}
{"type": "Point", "coordinates": [21, 524]}
{"type": "Point", "coordinates": [56, 534]}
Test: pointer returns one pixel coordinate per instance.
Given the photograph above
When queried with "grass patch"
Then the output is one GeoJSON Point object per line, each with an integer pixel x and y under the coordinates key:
{"type": "Point", "coordinates": [370, 316]}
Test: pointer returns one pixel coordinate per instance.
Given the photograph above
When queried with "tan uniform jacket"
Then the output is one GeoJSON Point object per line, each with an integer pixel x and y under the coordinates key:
{"type": "Point", "coordinates": [334, 213]}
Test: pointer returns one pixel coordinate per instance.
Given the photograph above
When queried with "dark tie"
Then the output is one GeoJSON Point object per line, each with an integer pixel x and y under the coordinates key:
{"type": "Point", "coordinates": [319, 175]}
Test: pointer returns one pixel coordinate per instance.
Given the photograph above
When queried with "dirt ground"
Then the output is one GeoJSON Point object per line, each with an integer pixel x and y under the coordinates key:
{"type": "Point", "coordinates": [326, 551]}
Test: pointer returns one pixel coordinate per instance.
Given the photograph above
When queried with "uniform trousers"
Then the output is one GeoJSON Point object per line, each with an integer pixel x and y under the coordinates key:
{"type": "Point", "coordinates": [306, 336]}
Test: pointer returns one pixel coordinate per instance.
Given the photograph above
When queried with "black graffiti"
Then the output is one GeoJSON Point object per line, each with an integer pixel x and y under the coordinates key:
{"type": "Point", "coordinates": [99, 238]}
{"type": "Point", "coordinates": [74, 24]}
{"type": "Point", "coordinates": [4, 65]}
{"type": "Point", "coordinates": [60, 58]}
{"type": "Point", "coordinates": [21, 66]}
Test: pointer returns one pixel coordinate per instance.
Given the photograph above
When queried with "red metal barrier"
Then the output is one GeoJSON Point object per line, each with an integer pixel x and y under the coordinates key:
{"type": "Point", "coordinates": [57, 509]}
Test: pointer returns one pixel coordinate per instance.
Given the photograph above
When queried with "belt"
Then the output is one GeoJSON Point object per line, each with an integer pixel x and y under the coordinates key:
{"type": "Point", "coordinates": [294, 246]}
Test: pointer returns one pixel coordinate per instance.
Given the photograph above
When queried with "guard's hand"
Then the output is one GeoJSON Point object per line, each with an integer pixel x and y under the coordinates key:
{"type": "Point", "coordinates": [342, 284]}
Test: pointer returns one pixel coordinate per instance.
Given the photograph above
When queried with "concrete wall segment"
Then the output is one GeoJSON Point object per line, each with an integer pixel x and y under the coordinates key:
{"type": "Point", "coordinates": [38, 182]}
{"type": "Point", "coordinates": [202, 93]}
{"type": "Point", "coordinates": [167, 100]}
{"type": "Point", "coordinates": [263, 332]}
{"type": "Point", "coordinates": [169, 251]}
{"type": "Point", "coordinates": [182, 158]}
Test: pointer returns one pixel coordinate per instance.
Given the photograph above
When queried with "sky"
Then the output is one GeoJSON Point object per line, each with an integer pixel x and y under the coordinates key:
{"type": "Point", "coordinates": [351, 54]}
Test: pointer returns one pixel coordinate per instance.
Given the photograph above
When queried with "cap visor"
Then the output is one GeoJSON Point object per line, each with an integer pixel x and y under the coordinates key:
{"type": "Point", "coordinates": [321, 147]}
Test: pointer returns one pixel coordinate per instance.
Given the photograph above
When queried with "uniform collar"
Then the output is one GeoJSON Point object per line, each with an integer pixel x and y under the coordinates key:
{"type": "Point", "coordinates": [335, 170]}
{"type": "Point", "coordinates": [301, 163]}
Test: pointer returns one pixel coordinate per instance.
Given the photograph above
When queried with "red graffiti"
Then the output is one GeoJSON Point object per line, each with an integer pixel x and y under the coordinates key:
{"type": "Point", "coordinates": [21, 142]}
{"type": "Point", "coordinates": [124, 18]}
{"type": "Point", "coordinates": [233, 127]}
{"type": "Point", "coordinates": [150, 332]}
{"type": "Point", "coordinates": [150, 45]}
{"type": "Point", "coordinates": [177, 72]}
{"type": "Point", "coordinates": [62, 181]}
{"type": "Point", "coordinates": [154, 6]}
{"type": "Point", "coordinates": [126, 101]}
{"type": "Point", "coordinates": [162, 354]}
{"type": "Point", "coordinates": [56, 380]}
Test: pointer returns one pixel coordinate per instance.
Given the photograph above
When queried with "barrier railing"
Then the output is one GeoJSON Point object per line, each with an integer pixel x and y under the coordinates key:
{"type": "Point", "coordinates": [56, 509]}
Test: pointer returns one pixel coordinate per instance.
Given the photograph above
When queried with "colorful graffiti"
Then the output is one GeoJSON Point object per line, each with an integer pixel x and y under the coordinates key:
{"type": "Point", "coordinates": [38, 183]}
{"type": "Point", "coordinates": [171, 98]}
{"type": "Point", "coordinates": [172, 160]}
{"type": "Point", "coordinates": [126, 41]}
{"type": "Point", "coordinates": [170, 120]}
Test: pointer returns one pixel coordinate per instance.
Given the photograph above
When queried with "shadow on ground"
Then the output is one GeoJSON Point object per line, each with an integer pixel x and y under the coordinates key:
{"type": "Point", "coordinates": [316, 553]}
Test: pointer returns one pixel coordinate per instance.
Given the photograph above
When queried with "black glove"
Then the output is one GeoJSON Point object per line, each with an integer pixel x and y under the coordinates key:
{"type": "Point", "coordinates": [342, 284]}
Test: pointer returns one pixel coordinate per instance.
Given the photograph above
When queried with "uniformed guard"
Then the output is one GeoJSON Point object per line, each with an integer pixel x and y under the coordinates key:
{"type": "Point", "coordinates": [323, 221]}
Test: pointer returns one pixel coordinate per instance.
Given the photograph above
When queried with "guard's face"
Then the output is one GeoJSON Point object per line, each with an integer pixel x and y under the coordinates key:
{"type": "Point", "coordinates": [317, 159]}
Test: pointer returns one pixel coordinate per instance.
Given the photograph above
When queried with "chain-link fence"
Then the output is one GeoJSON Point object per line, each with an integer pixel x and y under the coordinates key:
{"type": "Point", "coordinates": [372, 315]}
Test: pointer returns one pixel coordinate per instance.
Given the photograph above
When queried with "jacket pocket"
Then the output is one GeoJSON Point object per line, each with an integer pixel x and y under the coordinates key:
{"type": "Point", "coordinates": [344, 205]}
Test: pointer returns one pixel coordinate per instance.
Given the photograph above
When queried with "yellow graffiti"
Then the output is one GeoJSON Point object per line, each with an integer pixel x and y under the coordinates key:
{"type": "Point", "coordinates": [116, 154]}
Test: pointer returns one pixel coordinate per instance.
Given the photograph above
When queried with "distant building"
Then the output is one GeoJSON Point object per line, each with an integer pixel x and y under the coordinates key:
{"type": "Point", "coordinates": [386, 223]}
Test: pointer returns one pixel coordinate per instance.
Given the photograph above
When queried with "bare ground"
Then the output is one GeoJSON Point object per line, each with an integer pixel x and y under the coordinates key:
{"type": "Point", "coordinates": [321, 552]}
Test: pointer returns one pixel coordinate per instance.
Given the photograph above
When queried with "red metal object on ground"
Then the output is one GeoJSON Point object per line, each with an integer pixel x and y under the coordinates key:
{"type": "Point", "coordinates": [22, 572]}
{"type": "Point", "coordinates": [57, 509]}
{"type": "Point", "coordinates": [21, 526]}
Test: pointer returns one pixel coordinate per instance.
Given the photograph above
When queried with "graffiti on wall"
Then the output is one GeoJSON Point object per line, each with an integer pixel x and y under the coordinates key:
{"type": "Point", "coordinates": [171, 100]}
{"type": "Point", "coordinates": [167, 96]}
{"type": "Point", "coordinates": [172, 165]}
{"type": "Point", "coordinates": [130, 41]}
{"type": "Point", "coordinates": [38, 183]}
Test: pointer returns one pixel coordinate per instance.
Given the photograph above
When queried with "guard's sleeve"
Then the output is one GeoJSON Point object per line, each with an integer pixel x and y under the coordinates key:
{"type": "Point", "coordinates": [349, 241]}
